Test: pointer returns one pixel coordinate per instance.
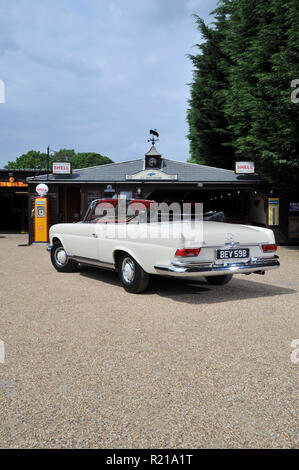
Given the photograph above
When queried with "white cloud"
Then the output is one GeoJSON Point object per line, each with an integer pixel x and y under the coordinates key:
{"type": "Point", "coordinates": [96, 75]}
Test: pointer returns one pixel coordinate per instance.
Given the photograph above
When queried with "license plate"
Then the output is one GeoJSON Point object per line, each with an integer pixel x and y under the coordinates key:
{"type": "Point", "coordinates": [233, 254]}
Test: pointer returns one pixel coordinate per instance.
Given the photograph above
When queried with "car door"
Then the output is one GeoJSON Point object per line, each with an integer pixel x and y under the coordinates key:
{"type": "Point", "coordinates": [108, 239]}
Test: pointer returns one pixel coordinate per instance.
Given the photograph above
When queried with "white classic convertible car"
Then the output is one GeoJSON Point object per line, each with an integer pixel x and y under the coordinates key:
{"type": "Point", "coordinates": [137, 246]}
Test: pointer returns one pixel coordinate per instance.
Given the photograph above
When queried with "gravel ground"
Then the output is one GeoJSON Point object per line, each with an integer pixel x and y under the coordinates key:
{"type": "Point", "coordinates": [183, 365]}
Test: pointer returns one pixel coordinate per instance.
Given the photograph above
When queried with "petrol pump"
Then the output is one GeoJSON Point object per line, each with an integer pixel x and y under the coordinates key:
{"type": "Point", "coordinates": [273, 211]}
{"type": "Point", "coordinates": [41, 214]}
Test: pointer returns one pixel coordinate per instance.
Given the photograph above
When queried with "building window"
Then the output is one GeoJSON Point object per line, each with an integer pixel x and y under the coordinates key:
{"type": "Point", "coordinates": [92, 195]}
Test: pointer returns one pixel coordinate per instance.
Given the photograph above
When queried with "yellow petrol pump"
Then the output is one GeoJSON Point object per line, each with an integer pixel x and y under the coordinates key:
{"type": "Point", "coordinates": [41, 215]}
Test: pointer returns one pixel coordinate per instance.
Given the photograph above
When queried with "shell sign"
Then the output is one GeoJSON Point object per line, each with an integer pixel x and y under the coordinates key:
{"type": "Point", "coordinates": [244, 167]}
{"type": "Point", "coordinates": [13, 184]}
{"type": "Point", "coordinates": [61, 168]}
{"type": "Point", "coordinates": [42, 189]}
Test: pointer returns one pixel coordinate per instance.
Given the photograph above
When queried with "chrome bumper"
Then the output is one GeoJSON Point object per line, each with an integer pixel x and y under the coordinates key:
{"type": "Point", "coordinates": [49, 247]}
{"type": "Point", "coordinates": [189, 270]}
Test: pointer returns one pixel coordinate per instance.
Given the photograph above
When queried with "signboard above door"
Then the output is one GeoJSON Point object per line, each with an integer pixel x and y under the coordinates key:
{"type": "Point", "coordinates": [61, 168]}
{"type": "Point", "coordinates": [151, 175]}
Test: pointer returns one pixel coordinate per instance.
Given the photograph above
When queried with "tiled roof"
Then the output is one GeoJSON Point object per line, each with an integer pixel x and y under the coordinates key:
{"type": "Point", "coordinates": [153, 152]}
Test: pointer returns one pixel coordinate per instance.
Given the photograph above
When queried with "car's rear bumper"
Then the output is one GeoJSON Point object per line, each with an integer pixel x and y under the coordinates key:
{"type": "Point", "coordinates": [187, 270]}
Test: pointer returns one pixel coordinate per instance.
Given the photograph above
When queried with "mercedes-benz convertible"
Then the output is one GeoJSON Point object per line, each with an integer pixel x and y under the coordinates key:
{"type": "Point", "coordinates": [136, 239]}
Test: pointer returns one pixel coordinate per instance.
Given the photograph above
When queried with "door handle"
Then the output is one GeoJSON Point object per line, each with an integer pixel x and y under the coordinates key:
{"type": "Point", "coordinates": [95, 235]}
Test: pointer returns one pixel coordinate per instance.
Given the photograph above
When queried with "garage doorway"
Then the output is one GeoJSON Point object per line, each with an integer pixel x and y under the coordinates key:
{"type": "Point", "coordinates": [239, 205]}
{"type": "Point", "coordinates": [13, 211]}
{"type": "Point", "coordinates": [69, 204]}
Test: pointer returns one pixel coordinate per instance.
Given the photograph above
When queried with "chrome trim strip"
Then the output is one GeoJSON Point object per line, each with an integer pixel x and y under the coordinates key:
{"type": "Point", "coordinates": [241, 245]}
{"type": "Point", "coordinates": [93, 262]}
{"type": "Point", "coordinates": [226, 245]}
{"type": "Point", "coordinates": [213, 269]}
{"type": "Point", "coordinates": [193, 264]}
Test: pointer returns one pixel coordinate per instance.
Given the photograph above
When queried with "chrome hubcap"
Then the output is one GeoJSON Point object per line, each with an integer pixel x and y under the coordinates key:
{"type": "Point", "coordinates": [128, 270]}
{"type": "Point", "coordinates": [60, 256]}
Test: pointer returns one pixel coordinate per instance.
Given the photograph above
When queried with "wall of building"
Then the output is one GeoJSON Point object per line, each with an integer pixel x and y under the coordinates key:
{"type": "Point", "coordinates": [246, 205]}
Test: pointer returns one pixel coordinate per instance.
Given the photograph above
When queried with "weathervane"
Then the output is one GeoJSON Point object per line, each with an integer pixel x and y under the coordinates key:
{"type": "Point", "coordinates": [154, 133]}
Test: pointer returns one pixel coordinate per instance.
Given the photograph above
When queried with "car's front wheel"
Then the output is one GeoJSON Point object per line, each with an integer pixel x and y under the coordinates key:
{"type": "Point", "coordinates": [134, 279]}
{"type": "Point", "coordinates": [60, 259]}
{"type": "Point", "coordinates": [219, 280]}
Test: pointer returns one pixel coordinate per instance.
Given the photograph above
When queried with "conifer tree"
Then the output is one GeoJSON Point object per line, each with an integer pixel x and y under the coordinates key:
{"type": "Point", "coordinates": [246, 65]}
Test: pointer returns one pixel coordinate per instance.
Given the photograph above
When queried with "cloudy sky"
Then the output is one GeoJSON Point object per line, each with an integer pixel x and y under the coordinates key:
{"type": "Point", "coordinates": [96, 75]}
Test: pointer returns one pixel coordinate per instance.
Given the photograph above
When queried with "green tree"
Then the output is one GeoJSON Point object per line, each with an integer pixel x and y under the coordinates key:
{"type": "Point", "coordinates": [209, 133]}
{"type": "Point", "coordinates": [84, 160]}
{"type": "Point", "coordinates": [30, 160]}
{"type": "Point", "coordinates": [262, 42]}
{"type": "Point", "coordinates": [34, 159]}
{"type": "Point", "coordinates": [257, 54]}
{"type": "Point", "coordinates": [64, 155]}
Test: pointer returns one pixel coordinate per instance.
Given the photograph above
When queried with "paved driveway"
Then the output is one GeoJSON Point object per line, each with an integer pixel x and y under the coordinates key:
{"type": "Point", "coordinates": [184, 365]}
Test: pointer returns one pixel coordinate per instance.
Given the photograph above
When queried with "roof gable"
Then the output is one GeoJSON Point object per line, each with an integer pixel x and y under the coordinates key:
{"type": "Point", "coordinates": [180, 171]}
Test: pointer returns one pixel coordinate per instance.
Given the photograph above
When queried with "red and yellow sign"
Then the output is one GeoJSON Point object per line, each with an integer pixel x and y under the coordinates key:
{"type": "Point", "coordinates": [41, 220]}
{"type": "Point", "coordinates": [13, 184]}
{"type": "Point", "coordinates": [61, 168]}
{"type": "Point", "coordinates": [244, 167]}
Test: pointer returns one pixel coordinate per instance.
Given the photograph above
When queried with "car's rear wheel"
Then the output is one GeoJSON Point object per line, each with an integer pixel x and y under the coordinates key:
{"type": "Point", "coordinates": [60, 259]}
{"type": "Point", "coordinates": [219, 280]}
{"type": "Point", "coordinates": [134, 279]}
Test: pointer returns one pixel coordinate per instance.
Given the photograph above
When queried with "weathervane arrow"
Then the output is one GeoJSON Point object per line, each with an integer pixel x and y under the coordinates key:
{"type": "Point", "coordinates": [154, 133]}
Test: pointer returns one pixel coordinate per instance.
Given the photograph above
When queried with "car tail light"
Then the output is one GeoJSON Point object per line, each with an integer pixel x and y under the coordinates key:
{"type": "Point", "coordinates": [270, 247]}
{"type": "Point", "coordinates": [188, 252]}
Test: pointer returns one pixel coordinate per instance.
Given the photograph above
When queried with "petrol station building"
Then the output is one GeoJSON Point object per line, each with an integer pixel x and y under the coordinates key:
{"type": "Point", "coordinates": [244, 198]}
